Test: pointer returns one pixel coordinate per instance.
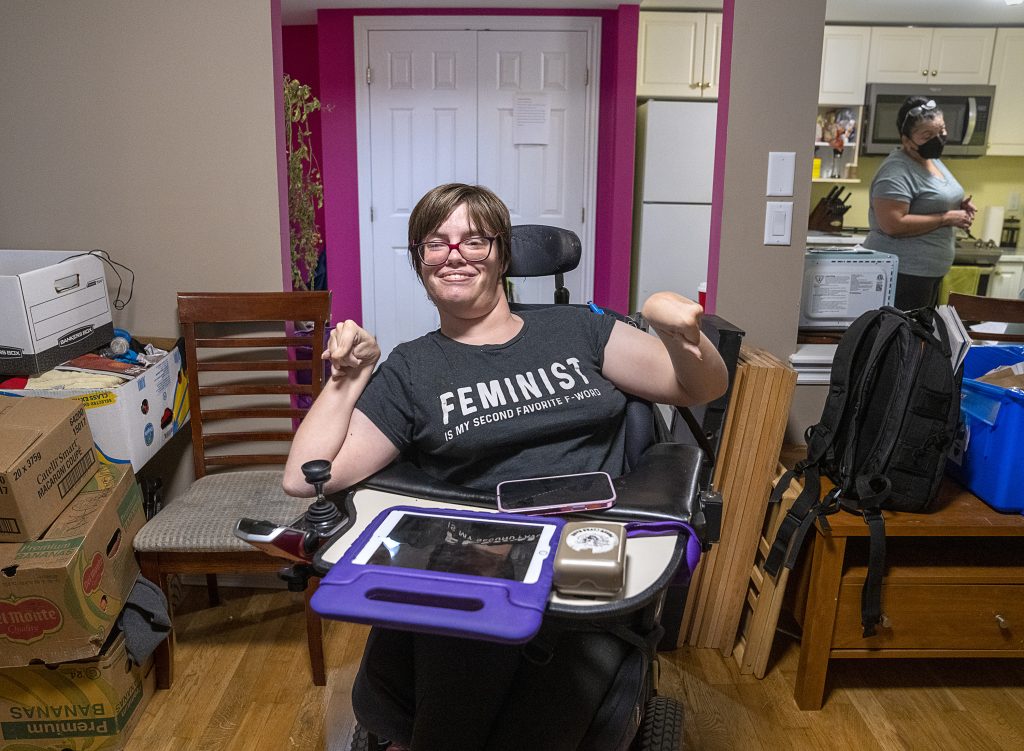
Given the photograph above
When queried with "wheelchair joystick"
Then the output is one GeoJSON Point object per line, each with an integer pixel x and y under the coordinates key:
{"type": "Point", "coordinates": [322, 516]}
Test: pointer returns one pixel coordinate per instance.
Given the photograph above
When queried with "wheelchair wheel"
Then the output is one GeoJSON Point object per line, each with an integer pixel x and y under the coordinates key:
{"type": "Point", "coordinates": [362, 740]}
{"type": "Point", "coordinates": [662, 726]}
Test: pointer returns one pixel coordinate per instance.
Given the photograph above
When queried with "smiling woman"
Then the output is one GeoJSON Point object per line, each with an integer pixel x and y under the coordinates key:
{"type": "Point", "coordinates": [492, 395]}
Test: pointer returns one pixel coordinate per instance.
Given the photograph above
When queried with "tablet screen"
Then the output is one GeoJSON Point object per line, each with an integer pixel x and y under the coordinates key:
{"type": "Point", "coordinates": [495, 549]}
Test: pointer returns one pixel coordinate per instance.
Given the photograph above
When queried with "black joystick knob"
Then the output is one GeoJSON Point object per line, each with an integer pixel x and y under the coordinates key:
{"type": "Point", "coordinates": [322, 515]}
{"type": "Point", "coordinates": [317, 472]}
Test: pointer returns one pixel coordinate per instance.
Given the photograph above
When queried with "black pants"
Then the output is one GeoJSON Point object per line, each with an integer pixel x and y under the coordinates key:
{"type": "Point", "coordinates": [913, 292]}
{"type": "Point", "coordinates": [439, 693]}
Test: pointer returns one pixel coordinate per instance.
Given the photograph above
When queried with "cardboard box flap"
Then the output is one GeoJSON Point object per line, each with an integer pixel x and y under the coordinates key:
{"type": "Point", "coordinates": [37, 411]}
{"type": "Point", "coordinates": [14, 440]}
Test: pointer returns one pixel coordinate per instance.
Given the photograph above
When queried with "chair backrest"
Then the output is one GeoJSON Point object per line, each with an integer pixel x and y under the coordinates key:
{"type": "Point", "coordinates": [973, 309]}
{"type": "Point", "coordinates": [251, 375]}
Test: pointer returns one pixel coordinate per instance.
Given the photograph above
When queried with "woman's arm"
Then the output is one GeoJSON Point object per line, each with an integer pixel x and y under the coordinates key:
{"type": "Point", "coordinates": [894, 219]}
{"type": "Point", "coordinates": [334, 429]}
{"type": "Point", "coordinates": [679, 366]}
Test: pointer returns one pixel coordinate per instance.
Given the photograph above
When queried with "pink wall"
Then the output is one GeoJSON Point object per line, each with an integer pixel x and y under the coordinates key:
{"type": "Point", "coordinates": [617, 132]}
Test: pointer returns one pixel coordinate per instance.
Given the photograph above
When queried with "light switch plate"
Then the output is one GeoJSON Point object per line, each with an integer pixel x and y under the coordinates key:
{"type": "Point", "coordinates": [778, 222]}
{"type": "Point", "coordinates": [781, 168]}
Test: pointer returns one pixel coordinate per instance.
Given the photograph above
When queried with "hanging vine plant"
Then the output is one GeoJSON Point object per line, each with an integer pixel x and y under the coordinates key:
{"type": "Point", "coordinates": [305, 186]}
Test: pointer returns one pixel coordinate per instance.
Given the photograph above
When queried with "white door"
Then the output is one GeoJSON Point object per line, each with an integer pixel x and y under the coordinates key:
{"type": "Point", "coordinates": [541, 183]}
{"type": "Point", "coordinates": [438, 108]}
{"type": "Point", "coordinates": [422, 134]}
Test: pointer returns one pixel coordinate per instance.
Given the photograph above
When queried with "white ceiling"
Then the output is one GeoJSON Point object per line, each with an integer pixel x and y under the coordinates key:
{"type": "Point", "coordinates": [922, 12]}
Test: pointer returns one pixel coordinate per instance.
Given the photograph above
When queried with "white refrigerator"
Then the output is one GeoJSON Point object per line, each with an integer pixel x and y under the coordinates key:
{"type": "Point", "coordinates": [672, 218]}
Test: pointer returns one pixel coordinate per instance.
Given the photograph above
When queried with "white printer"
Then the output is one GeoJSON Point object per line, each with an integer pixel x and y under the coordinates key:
{"type": "Point", "coordinates": [842, 283]}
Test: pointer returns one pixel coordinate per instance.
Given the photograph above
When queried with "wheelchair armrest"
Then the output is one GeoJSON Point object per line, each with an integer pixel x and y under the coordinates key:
{"type": "Point", "coordinates": [664, 486]}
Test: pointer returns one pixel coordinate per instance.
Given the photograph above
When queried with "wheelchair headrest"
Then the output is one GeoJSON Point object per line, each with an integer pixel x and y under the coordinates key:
{"type": "Point", "coordinates": [539, 250]}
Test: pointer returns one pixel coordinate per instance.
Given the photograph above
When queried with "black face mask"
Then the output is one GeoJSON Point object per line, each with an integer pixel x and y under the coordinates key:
{"type": "Point", "coordinates": [932, 148]}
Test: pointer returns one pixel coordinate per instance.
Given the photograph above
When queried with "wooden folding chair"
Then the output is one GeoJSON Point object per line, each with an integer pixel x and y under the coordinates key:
{"type": "Point", "coordinates": [247, 375]}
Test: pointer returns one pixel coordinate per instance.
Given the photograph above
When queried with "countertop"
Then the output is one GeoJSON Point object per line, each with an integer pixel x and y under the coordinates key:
{"type": "Point", "coordinates": [815, 237]}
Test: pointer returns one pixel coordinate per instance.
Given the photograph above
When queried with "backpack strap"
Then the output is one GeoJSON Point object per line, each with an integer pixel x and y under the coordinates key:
{"type": "Point", "coordinates": [798, 512]}
{"type": "Point", "coordinates": [872, 492]}
{"type": "Point", "coordinates": [871, 593]}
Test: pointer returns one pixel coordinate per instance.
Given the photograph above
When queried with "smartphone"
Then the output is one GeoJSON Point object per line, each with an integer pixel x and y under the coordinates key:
{"type": "Point", "coordinates": [559, 494]}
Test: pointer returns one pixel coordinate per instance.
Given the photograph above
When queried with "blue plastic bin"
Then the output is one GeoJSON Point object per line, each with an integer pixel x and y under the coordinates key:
{"type": "Point", "coordinates": [989, 459]}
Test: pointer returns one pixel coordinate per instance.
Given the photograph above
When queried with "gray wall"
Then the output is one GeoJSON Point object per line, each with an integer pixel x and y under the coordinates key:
{"type": "Point", "coordinates": [773, 99]}
{"type": "Point", "coordinates": [145, 128]}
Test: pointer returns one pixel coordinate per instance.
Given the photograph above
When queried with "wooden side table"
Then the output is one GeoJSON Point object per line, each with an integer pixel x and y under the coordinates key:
{"type": "Point", "coordinates": [954, 587]}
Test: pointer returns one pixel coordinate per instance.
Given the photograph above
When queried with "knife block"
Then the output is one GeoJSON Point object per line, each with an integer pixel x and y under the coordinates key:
{"type": "Point", "coordinates": [824, 218]}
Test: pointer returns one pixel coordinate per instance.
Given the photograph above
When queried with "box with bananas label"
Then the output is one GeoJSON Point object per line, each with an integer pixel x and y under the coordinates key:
{"type": "Point", "coordinates": [87, 705]}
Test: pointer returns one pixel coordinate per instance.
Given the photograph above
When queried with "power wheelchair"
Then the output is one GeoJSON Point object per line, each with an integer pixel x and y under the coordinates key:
{"type": "Point", "coordinates": [668, 479]}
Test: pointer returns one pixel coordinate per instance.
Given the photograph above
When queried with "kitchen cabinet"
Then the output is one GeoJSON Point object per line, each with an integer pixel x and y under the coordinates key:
{"type": "Point", "coordinates": [1007, 278]}
{"type": "Point", "coordinates": [844, 65]}
{"type": "Point", "coordinates": [939, 55]}
{"type": "Point", "coordinates": [1006, 131]}
{"type": "Point", "coordinates": [679, 55]}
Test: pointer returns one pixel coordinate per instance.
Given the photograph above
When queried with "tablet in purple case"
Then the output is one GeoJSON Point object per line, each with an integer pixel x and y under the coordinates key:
{"type": "Point", "coordinates": [461, 573]}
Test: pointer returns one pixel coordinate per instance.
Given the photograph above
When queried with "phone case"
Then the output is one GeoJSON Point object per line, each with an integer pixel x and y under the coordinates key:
{"type": "Point", "coordinates": [561, 507]}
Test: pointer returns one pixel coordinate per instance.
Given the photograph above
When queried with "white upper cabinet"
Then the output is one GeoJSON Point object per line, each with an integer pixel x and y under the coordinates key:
{"type": "Point", "coordinates": [678, 55]}
{"type": "Point", "coordinates": [1006, 131]}
{"type": "Point", "coordinates": [844, 65]}
{"type": "Point", "coordinates": [939, 55]}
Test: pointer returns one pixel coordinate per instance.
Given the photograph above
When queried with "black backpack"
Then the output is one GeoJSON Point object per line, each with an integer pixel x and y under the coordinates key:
{"type": "Point", "coordinates": [889, 419]}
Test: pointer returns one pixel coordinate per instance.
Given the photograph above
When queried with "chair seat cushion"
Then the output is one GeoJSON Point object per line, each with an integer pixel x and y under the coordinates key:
{"type": "Point", "coordinates": [204, 518]}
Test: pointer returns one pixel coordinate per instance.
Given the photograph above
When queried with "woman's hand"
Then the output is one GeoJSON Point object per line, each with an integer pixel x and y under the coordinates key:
{"type": "Point", "coordinates": [351, 349]}
{"type": "Point", "coordinates": [968, 205]}
{"type": "Point", "coordinates": [958, 218]}
{"type": "Point", "coordinates": [675, 317]}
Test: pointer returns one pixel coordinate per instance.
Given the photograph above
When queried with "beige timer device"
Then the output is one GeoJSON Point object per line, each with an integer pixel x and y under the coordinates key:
{"type": "Point", "coordinates": [591, 559]}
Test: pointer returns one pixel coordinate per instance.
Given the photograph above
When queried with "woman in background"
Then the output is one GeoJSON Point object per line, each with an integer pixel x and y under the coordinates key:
{"type": "Point", "coordinates": [915, 205]}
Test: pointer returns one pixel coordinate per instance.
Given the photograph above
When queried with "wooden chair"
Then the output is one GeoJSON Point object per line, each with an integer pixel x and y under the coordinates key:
{"type": "Point", "coordinates": [238, 376]}
{"type": "Point", "coordinates": [973, 309]}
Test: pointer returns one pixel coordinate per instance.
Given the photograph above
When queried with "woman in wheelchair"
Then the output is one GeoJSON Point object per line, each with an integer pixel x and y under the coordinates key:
{"type": "Point", "coordinates": [491, 395]}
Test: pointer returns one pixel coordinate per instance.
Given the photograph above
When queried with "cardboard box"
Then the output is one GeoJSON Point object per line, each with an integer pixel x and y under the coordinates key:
{"type": "Point", "coordinates": [60, 595]}
{"type": "Point", "coordinates": [88, 705]}
{"type": "Point", "coordinates": [51, 309]}
{"type": "Point", "coordinates": [131, 422]}
{"type": "Point", "coordinates": [46, 457]}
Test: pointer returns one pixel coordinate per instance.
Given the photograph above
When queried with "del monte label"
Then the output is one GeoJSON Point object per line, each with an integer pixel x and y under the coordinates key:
{"type": "Point", "coordinates": [28, 619]}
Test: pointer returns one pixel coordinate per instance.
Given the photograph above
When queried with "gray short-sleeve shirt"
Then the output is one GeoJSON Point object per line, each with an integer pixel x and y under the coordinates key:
{"type": "Point", "coordinates": [901, 178]}
{"type": "Point", "coordinates": [535, 405]}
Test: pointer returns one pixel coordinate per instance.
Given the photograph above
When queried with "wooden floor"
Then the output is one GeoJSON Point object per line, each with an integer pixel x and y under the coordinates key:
{"type": "Point", "coordinates": [243, 683]}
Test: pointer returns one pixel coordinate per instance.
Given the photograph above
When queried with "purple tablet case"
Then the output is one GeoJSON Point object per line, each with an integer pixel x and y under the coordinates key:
{"type": "Point", "coordinates": [453, 604]}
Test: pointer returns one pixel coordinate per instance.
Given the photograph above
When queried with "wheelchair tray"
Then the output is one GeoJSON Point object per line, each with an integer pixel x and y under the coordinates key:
{"type": "Point", "coordinates": [651, 562]}
{"type": "Point", "coordinates": [454, 572]}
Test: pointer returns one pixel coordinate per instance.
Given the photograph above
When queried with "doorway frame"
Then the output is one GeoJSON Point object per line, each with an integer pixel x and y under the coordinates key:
{"type": "Point", "coordinates": [362, 25]}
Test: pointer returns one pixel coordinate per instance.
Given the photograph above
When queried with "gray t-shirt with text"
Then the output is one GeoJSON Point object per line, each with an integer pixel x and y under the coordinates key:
{"type": "Point", "coordinates": [534, 406]}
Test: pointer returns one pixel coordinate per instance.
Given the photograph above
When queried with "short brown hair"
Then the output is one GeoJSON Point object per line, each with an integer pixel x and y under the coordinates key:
{"type": "Point", "coordinates": [487, 214]}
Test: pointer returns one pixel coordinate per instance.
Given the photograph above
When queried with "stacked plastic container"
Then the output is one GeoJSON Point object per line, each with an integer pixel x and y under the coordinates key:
{"type": "Point", "coordinates": [988, 456]}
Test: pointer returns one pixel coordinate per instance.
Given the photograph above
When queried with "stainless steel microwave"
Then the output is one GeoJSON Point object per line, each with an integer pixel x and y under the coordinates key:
{"type": "Point", "coordinates": [967, 110]}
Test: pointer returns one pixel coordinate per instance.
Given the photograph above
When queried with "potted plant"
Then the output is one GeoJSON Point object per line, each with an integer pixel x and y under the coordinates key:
{"type": "Point", "coordinates": [305, 187]}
